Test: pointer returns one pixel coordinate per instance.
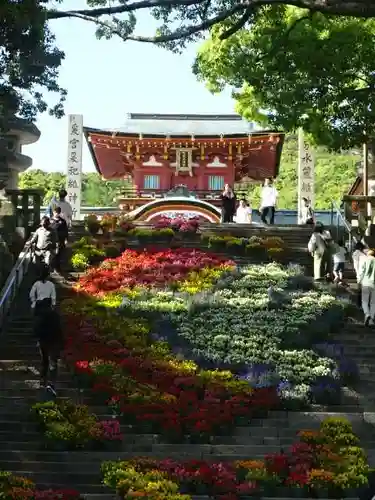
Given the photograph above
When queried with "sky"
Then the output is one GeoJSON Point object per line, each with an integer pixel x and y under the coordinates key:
{"type": "Point", "coordinates": [108, 79]}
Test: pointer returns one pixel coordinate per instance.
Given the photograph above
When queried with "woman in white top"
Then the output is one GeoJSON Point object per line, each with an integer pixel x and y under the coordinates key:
{"type": "Point", "coordinates": [339, 258]}
{"type": "Point", "coordinates": [243, 214]}
{"type": "Point", "coordinates": [358, 257]}
{"type": "Point", "coordinates": [42, 293]}
{"type": "Point", "coordinates": [66, 207]}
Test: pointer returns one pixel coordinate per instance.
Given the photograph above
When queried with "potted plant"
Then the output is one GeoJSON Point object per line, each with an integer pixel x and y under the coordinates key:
{"type": "Point", "coordinates": [92, 224]}
{"type": "Point", "coordinates": [256, 251]}
{"type": "Point", "coordinates": [235, 246]}
{"type": "Point", "coordinates": [217, 243]}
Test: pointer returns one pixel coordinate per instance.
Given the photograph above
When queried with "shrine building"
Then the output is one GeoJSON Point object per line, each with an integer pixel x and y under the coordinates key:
{"type": "Point", "coordinates": [158, 153]}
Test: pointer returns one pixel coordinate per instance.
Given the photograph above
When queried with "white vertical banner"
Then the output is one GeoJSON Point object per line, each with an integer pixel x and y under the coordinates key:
{"type": "Point", "coordinates": [74, 166]}
{"type": "Point", "coordinates": [306, 173]}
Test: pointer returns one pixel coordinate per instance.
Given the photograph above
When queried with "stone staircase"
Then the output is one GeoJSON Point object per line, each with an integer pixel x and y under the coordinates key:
{"type": "Point", "coordinates": [21, 444]}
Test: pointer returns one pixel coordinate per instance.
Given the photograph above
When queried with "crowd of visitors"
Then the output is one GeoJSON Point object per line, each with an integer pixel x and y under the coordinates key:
{"type": "Point", "coordinates": [330, 259]}
{"type": "Point", "coordinates": [49, 243]}
{"type": "Point", "coordinates": [49, 240]}
{"type": "Point", "coordinates": [241, 213]}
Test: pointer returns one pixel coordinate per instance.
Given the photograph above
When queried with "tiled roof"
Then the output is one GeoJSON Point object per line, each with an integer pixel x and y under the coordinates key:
{"type": "Point", "coordinates": [175, 125]}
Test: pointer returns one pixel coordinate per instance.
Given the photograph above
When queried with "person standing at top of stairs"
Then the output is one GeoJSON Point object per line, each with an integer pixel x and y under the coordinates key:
{"type": "Point", "coordinates": [47, 329]}
{"type": "Point", "coordinates": [268, 202]}
{"type": "Point", "coordinates": [66, 207]}
{"type": "Point", "coordinates": [61, 227]}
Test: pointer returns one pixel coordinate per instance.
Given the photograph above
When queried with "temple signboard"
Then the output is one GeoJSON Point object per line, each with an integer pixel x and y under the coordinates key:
{"type": "Point", "coordinates": [306, 173]}
{"type": "Point", "coordinates": [74, 164]}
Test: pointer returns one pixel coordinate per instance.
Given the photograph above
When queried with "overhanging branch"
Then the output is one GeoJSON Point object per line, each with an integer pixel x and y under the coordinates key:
{"type": "Point", "coordinates": [120, 9]}
{"type": "Point", "coordinates": [189, 31]}
{"type": "Point", "coordinates": [354, 8]}
{"type": "Point", "coordinates": [238, 25]}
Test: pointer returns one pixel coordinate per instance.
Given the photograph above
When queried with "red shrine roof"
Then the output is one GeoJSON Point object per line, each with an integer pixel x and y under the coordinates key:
{"type": "Point", "coordinates": [142, 132]}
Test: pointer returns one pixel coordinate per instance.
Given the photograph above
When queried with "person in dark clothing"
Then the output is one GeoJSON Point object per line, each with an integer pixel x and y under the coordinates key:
{"type": "Point", "coordinates": [50, 342]}
{"type": "Point", "coordinates": [228, 204]}
{"type": "Point", "coordinates": [47, 329]}
{"type": "Point", "coordinates": [60, 225]}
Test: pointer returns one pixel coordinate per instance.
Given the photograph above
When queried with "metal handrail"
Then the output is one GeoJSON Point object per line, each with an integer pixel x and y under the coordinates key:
{"type": "Point", "coordinates": [15, 278]}
{"type": "Point", "coordinates": [335, 209]}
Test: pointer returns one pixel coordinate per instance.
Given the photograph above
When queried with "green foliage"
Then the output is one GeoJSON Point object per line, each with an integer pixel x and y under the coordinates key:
{"type": "Point", "coordinates": [96, 192]}
{"type": "Point", "coordinates": [295, 68]}
{"type": "Point", "coordinates": [29, 61]}
{"type": "Point", "coordinates": [334, 174]}
{"type": "Point", "coordinates": [85, 253]}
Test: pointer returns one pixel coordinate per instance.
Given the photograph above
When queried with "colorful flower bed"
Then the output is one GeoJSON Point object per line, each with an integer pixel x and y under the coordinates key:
{"type": "Point", "coordinates": [324, 464]}
{"type": "Point", "coordinates": [66, 425]}
{"type": "Point", "coordinates": [153, 327]}
{"type": "Point", "coordinates": [14, 487]}
{"type": "Point", "coordinates": [147, 386]}
{"type": "Point", "coordinates": [257, 322]}
{"type": "Point", "coordinates": [151, 268]}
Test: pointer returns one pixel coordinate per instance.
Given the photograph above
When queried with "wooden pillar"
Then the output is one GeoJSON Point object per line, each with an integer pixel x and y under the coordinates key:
{"type": "Point", "coordinates": [365, 169]}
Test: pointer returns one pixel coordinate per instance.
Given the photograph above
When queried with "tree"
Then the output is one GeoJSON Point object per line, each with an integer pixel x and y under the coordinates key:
{"type": "Point", "coordinates": [296, 69]}
{"type": "Point", "coordinates": [95, 191]}
{"type": "Point", "coordinates": [29, 59]}
{"type": "Point", "coordinates": [334, 175]}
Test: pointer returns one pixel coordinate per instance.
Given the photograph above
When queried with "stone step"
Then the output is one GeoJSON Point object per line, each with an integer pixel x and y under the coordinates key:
{"type": "Point", "coordinates": [86, 459]}
{"type": "Point", "coordinates": [56, 483]}
{"type": "Point", "coordinates": [200, 497]}
{"type": "Point", "coordinates": [145, 441]}
{"type": "Point", "coordinates": [72, 479]}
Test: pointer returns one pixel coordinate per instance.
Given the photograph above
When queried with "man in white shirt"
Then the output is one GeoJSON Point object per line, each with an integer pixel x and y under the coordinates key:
{"type": "Point", "coordinates": [268, 201]}
{"type": "Point", "coordinates": [66, 207]}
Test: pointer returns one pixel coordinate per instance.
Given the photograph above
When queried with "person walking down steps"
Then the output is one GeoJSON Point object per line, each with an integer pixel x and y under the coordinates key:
{"type": "Point", "coordinates": [47, 329]}
{"type": "Point", "coordinates": [367, 281]}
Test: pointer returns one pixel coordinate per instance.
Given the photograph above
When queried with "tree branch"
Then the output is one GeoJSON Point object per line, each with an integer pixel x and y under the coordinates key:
{"type": "Point", "coordinates": [354, 8]}
{"type": "Point", "coordinates": [238, 25]}
{"type": "Point", "coordinates": [120, 9]}
{"type": "Point", "coordinates": [177, 35]}
{"type": "Point", "coordinates": [190, 30]}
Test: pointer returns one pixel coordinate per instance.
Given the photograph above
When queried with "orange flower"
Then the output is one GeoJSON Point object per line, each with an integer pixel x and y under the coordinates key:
{"type": "Point", "coordinates": [319, 477]}
{"type": "Point", "coordinates": [310, 436]}
{"type": "Point", "coordinates": [249, 464]}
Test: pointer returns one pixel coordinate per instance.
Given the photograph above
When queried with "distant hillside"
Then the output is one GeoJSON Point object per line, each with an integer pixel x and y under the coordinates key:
{"type": "Point", "coordinates": [334, 174]}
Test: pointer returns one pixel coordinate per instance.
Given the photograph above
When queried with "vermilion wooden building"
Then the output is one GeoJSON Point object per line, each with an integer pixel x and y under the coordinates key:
{"type": "Point", "coordinates": [202, 152]}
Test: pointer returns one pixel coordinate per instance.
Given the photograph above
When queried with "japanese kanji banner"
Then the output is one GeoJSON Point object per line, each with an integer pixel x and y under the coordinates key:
{"type": "Point", "coordinates": [306, 173]}
{"type": "Point", "coordinates": [74, 168]}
